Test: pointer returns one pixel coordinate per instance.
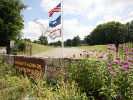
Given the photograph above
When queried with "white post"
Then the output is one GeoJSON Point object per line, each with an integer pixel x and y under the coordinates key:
{"type": "Point", "coordinates": [62, 29]}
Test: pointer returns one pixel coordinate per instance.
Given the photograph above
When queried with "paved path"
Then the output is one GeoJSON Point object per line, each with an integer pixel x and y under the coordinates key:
{"type": "Point", "coordinates": [68, 52]}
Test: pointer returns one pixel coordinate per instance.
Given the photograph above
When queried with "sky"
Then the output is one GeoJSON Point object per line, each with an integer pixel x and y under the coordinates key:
{"type": "Point", "coordinates": [80, 17]}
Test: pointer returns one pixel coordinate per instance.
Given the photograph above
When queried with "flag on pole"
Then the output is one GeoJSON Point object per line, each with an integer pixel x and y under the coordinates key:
{"type": "Point", "coordinates": [55, 33]}
{"type": "Point", "coordinates": [55, 22]}
{"type": "Point", "coordinates": [56, 9]}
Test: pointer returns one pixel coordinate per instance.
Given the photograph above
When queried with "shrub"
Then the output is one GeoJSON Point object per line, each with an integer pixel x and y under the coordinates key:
{"type": "Point", "coordinates": [15, 86]}
{"type": "Point", "coordinates": [105, 75]}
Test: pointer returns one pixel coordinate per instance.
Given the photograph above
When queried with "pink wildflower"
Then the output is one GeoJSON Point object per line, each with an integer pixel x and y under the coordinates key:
{"type": "Point", "coordinates": [118, 58]}
{"type": "Point", "coordinates": [101, 56]}
{"type": "Point", "coordinates": [125, 53]}
{"type": "Point", "coordinates": [108, 64]}
{"type": "Point", "coordinates": [126, 62]}
{"type": "Point", "coordinates": [88, 54]}
{"type": "Point", "coordinates": [80, 64]}
{"type": "Point", "coordinates": [116, 61]}
{"type": "Point", "coordinates": [112, 73]}
{"type": "Point", "coordinates": [100, 50]}
{"type": "Point", "coordinates": [130, 53]}
{"type": "Point", "coordinates": [84, 50]}
{"type": "Point", "coordinates": [110, 44]}
{"type": "Point", "coordinates": [129, 60]}
{"type": "Point", "coordinates": [125, 67]}
{"type": "Point", "coordinates": [73, 55]}
{"type": "Point", "coordinates": [120, 46]}
{"type": "Point", "coordinates": [110, 68]}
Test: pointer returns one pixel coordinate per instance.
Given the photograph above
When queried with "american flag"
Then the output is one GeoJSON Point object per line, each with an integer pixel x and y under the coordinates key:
{"type": "Point", "coordinates": [56, 9]}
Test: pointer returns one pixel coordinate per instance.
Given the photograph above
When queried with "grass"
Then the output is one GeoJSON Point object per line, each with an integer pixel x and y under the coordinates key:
{"type": "Point", "coordinates": [15, 86]}
{"type": "Point", "coordinates": [37, 48]}
{"type": "Point", "coordinates": [103, 47]}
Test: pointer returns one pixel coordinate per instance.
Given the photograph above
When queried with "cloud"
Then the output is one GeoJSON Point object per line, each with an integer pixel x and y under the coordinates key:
{"type": "Point", "coordinates": [70, 6]}
{"type": "Point", "coordinates": [107, 7]}
{"type": "Point", "coordinates": [32, 30]}
{"type": "Point", "coordinates": [29, 8]}
{"type": "Point", "coordinates": [71, 29]}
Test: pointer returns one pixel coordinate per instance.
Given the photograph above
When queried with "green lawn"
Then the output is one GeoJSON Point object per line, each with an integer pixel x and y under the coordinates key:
{"type": "Point", "coordinates": [37, 48]}
{"type": "Point", "coordinates": [103, 47]}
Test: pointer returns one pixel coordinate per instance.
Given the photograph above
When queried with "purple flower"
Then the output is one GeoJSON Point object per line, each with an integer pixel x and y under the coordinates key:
{"type": "Point", "coordinates": [84, 50]}
{"type": "Point", "coordinates": [88, 54]}
{"type": "Point", "coordinates": [125, 67]}
{"type": "Point", "coordinates": [109, 48]}
{"type": "Point", "coordinates": [110, 68]}
{"type": "Point", "coordinates": [125, 53]}
{"type": "Point", "coordinates": [80, 64]}
{"type": "Point", "coordinates": [101, 56]}
{"type": "Point", "coordinates": [126, 62]}
{"type": "Point", "coordinates": [93, 50]}
{"type": "Point", "coordinates": [108, 63]}
{"type": "Point", "coordinates": [110, 44]}
{"type": "Point", "coordinates": [112, 73]}
{"type": "Point", "coordinates": [120, 46]}
{"type": "Point", "coordinates": [130, 53]}
{"type": "Point", "coordinates": [100, 50]}
{"type": "Point", "coordinates": [125, 47]}
{"type": "Point", "coordinates": [129, 60]}
{"type": "Point", "coordinates": [116, 61]}
{"type": "Point", "coordinates": [117, 58]}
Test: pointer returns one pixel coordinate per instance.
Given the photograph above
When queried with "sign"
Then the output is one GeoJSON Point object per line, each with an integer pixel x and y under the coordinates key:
{"type": "Point", "coordinates": [2, 50]}
{"type": "Point", "coordinates": [31, 65]}
{"type": "Point", "coordinates": [11, 44]}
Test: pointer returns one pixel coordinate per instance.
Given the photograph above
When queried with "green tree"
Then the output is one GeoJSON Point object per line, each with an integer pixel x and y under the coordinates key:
{"type": "Point", "coordinates": [43, 40]}
{"type": "Point", "coordinates": [76, 41]}
{"type": "Point", "coordinates": [107, 33]}
{"type": "Point", "coordinates": [11, 20]}
{"type": "Point", "coordinates": [68, 42]}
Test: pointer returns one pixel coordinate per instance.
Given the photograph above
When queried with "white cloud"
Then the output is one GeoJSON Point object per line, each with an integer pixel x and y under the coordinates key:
{"type": "Point", "coordinates": [32, 30]}
{"type": "Point", "coordinates": [70, 6]}
{"type": "Point", "coordinates": [104, 7]}
{"type": "Point", "coordinates": [71, 29]}
{"type": "Point", "coordinates": [29, 8]}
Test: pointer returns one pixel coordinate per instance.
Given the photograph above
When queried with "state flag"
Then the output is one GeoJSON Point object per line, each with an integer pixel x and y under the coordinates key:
{"type": "Point", "coordinates": [55, 22]}
{"type": "Point", "coordinates": [55, 33]}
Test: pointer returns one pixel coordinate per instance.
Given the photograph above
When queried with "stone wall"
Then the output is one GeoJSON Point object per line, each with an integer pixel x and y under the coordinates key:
{"type": "Point", "coordinates": [54, 68]}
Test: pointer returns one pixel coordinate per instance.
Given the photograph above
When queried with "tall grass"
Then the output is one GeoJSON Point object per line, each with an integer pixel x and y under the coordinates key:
{"type": "Point", "coordinates": [15, 86]}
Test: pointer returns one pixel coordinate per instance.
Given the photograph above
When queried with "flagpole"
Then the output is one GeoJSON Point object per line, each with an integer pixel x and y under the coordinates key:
{"type": "Point", "coordinates": [62, 29]}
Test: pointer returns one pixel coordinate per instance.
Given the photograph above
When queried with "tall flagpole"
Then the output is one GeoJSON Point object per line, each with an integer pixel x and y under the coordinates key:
{"type": "Point", "coordinates": [62, 29]}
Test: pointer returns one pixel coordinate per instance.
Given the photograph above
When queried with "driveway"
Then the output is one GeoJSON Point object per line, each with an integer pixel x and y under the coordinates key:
{"type": "Point", "coordinates": [57, 53]}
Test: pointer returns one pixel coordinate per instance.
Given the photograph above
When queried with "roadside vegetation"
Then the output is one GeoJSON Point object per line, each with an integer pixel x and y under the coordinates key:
{"type": "Point", "coordinates": [37, 48]}
{"type": "Point", "coordinates": [15, 86]}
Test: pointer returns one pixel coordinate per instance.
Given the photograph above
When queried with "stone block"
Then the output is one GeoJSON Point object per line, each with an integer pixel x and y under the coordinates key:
{"type": "Point", "coordinates": [48, 61]}
{"type": "Point", "coordinates": [56, 62]}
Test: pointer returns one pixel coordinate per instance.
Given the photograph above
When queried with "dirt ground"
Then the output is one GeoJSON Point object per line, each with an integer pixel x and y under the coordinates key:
{"type": "Point", "coordinates": [57, 53]}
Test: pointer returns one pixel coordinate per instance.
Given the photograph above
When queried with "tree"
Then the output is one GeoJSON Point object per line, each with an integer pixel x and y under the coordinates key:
{"type": "Point", "coordinates": [68, 42]}
{"type": "Point", "coordinates": [43, 40]}
{"type": "Point", "coordinates": [107, 33]}
{"type": "Point", "coordinates": [76, 41]}
{"type": "Point", "coordinates": [11, 22]}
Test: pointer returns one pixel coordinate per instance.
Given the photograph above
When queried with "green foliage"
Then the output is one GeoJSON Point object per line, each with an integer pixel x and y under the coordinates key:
{"type": "Point", "coordinates": [106, 33]}
{"type": "Point", "coordinates": [43, 40]}
{"type": "Point", "coordinates": [76, 41]}
{"type": "Point", "coordinates": [11, 22]}
{"type": "Point", "coordinates": [20, 45]}
{"type": "Point", "coordinates": [104, 76]}
{"type": "Point", "coordinates": [15, 86]}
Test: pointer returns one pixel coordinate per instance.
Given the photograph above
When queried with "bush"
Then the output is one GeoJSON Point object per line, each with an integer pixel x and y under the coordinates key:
{"type": "Point", "coordinates": [15, 86]}
{"type": "Point", "coordinates": [105, 76]}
